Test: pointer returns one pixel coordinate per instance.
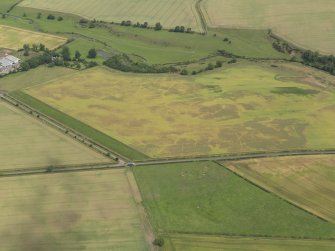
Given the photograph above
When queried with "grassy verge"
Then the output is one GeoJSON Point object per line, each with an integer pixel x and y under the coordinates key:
{"type": "Point", "coordinates": [216, 243]}
{"type": "Point", "coordinates": [77, 125]}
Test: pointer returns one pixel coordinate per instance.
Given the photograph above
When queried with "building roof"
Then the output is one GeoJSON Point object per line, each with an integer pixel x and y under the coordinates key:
{"type": "Point", "coordinates": [4, 62]}
{"type": "Point", "coordinates": [13, 59]}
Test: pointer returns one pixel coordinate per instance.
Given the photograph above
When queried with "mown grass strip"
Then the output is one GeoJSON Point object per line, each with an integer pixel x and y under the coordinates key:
{"type": "Point", "coordinates": [79, 126]}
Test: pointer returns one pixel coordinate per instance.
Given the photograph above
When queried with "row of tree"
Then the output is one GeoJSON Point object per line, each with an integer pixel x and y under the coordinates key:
{"type": "Point", "coordinates": [144, 25]}
{"type": "Point", "coordinates": [314, 59]}
{"type": "Point", "coordinates": [181, 29]}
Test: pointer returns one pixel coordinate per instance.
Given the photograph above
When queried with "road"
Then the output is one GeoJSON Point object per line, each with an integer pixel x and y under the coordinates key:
{"type": "Point", "coordinates": [123, 164]}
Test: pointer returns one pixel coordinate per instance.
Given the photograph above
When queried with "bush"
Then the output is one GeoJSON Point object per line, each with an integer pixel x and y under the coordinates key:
{"type": "Point", "coordinates": [60, 18]}
{"type": "Point", "coordinates": [51, 17]}
{"type": "Point", "coordinates": [158, 242]}
{"type": "Point", "coordinates": [92, 53]}
{"type": "Point", "coordinates": [184, 72]}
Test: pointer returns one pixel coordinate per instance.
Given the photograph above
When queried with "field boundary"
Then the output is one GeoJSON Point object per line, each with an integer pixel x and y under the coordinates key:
{"type": "Point", "coordinates": [272, 193]}
{"type": "Point", "coordinates": [73, 127]}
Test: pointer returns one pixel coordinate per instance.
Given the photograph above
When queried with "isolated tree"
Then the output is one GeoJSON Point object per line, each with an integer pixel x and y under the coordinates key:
{"type": "Point", "coordinates": [26, 49]}
{"type": "Point", "coordinates": [182, 29]}
{"type": "Point", "coordinates": [39, 15]}
{"type": "Point", "coordinates": [35, 47]}
{"type": "Point", "coordinates": [92, 53]}
{"type": "Point", "coordinates": [189, 30]}
{"type": "Point", "coordinates": [42, 47]}
{"type": "Point", "coordinates": [66, 54]}
{"type": "Point", "coordinates": [60, 18]}
{"type": "Point", "coordinates": [77, 55]}
{"type": "Point", "coordinates": [158, 26]}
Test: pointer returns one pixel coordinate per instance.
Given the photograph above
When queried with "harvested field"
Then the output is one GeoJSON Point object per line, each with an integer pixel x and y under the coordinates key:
{"type": "Point", "coordinates": [204, 197]}
{"type": "Point", "coordinates": [216, 243]}
{"type": "Point", "coordinates": [241, 109]}
{"type": "Point", "coordinates": [306, 23]}
{"type": "Point", "coordinates": [170, 13]}
{"type": "Point", "coordinates": [308, 181]}
{"type": "Point", "coordinates": [14, 38]}
{"type": "Point", "coordinates": [27, 143]}
{"type": "Point", "coordinates": [72, 211]}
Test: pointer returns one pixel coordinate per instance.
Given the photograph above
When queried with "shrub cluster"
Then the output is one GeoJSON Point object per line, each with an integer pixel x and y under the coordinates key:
{"type": "Point", "coordinates": [124, 63]}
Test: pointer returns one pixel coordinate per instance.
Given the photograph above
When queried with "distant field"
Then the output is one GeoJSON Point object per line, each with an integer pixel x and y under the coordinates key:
{"type": "Point", "coordinates": [306, 23]}
{"type": "Point", "coordinates": [216, 243]}
{"type": "Point", "coordinates": [72, 211]}
{"type": "Point", "coordinates": [204, 197]}
{"type": "Point", "coordinates": [14, 38]}
{"type": "Point", "coordinates": [306, 181]}
{"type": "Point", "coordinates": [152, 46]}
{"type": "Point", "coordinates": [239, 109]}
{"type": "Point", "coordinates": [27, 143]}
{"type": "Point", "coordinates": [169, 12]}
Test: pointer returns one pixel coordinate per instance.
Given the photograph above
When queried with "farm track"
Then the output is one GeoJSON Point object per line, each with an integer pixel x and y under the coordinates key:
{"type": "Point", "coordinates": [201, 16]}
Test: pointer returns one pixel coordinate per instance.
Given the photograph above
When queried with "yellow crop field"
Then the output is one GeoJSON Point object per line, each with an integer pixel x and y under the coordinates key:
{"type": "Point", "coordinates": [27, 143]}
{"type": "Point", "coordinates": [169, 13]}
{"type": "Point", "coordinates": [308, 181]}
{"type": "Point", "coordinates": [70, 211]}
{"type": "Point", "coordinates": [14, 38]}
{"type": "Point", "coordinates": [306, 23]}
{"type": "Point", "coordinates": [240, 109]}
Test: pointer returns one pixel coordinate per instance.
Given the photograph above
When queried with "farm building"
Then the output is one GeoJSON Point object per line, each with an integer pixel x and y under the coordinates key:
{"type": "Point", "coordinates": [9, 63]}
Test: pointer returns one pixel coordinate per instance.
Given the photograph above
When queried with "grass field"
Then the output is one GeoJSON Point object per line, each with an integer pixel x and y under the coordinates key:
{"type": "Point", "coordinates": [14, 38]}
{"type": "Point", "coordinates": [72, 211]}
{"type": "Point", "coordinates": [33, 77]}
{"type": "Point", "coordinates": [306, 23]}
{"type": "Point", "coordinates": [26, 143]}
{"type": "Point", "coordinates": [306, 181]}
{"type": "Point", "coordinates": [204, 197]}
{"type": "Point", "coordinates": [239, 109]}
{"type": "Point", "coordinates": [170, 13]}
{"type": "Point", "coordinates": [215, 243]}
{"type": "Point", "coordinates": [6, 4]}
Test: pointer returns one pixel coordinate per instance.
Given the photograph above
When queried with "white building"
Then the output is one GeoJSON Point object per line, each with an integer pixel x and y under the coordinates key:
{"type": "Point", "coordinates": [9, 63]}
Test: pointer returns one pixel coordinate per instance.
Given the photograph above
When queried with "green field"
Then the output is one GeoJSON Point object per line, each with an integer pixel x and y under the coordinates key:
{"type": "Point", "coordinates": [307, 181]}
{"type": "Point", "coordinates": [215, 243]}
{"type": "Point", "coordinates": [33, 77]}
{"type": "Point", "coordinates": [27, 143]}
{"type": "Point", "coordinates": [245, 108]}
{"type": "Point", "coordinates": [206, 198]}
{"type": "Point", "coordinates": [6, 4]}
{"type": "Point", "coordinates": [170, 13]}
{"type": "Point", "coordinates": [14, 38]}
{"type": "Point", "coordinates": [306, 23]}
{"type": "Point", "coordinates": [71, 211]}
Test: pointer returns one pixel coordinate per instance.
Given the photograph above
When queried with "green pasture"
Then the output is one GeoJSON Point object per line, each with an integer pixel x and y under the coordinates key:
{"type": "Point", "coordinates": [183, 242]}
{"type": "Point", "coordinates": [206, 198]}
